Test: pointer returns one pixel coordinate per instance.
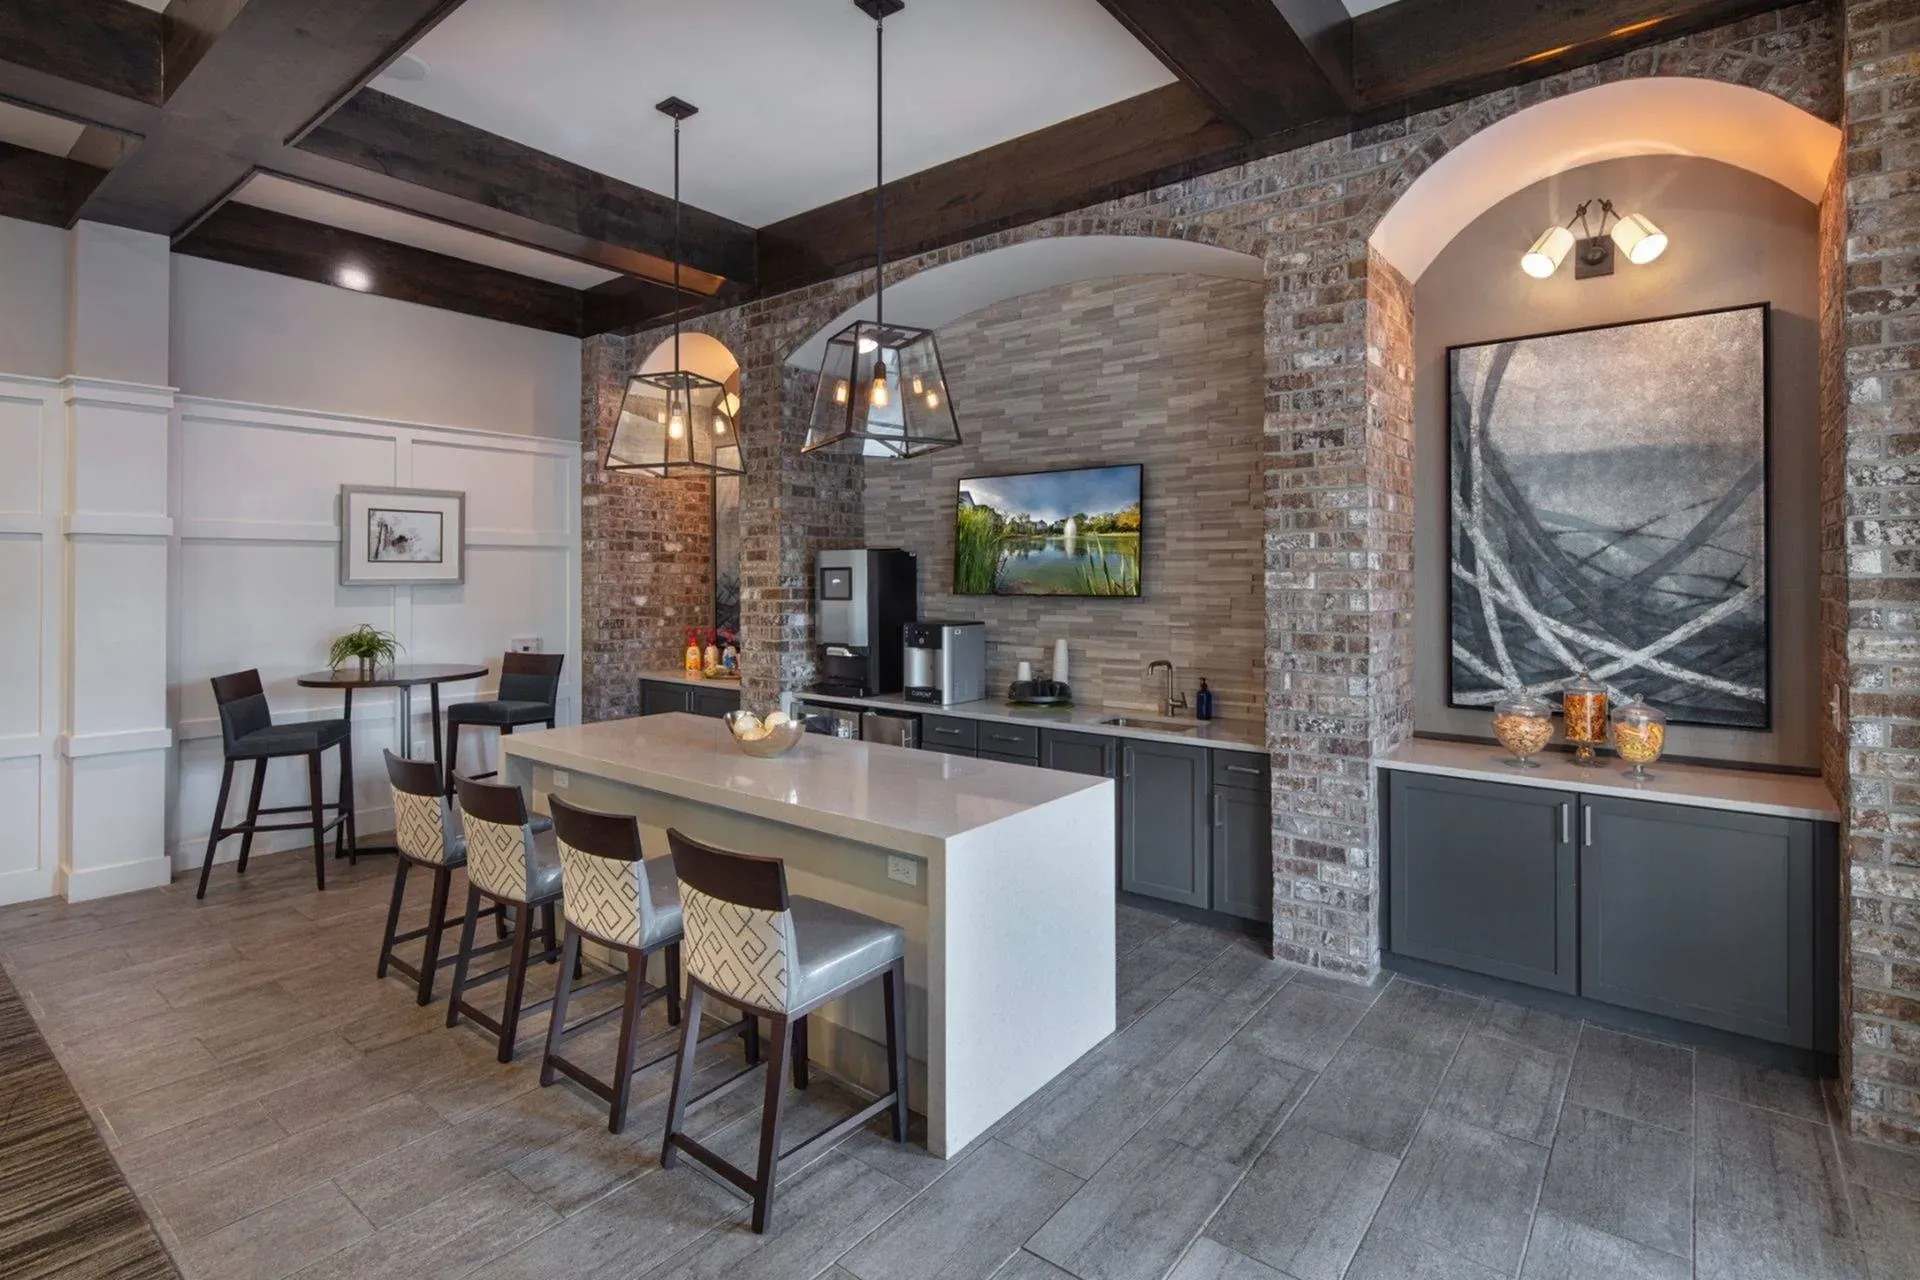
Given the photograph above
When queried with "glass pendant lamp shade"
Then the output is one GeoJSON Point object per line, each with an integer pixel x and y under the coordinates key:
{"type": "Point", "coordinates": [882, 394]}
{"type": "Point", "coordinates": [674, 423]}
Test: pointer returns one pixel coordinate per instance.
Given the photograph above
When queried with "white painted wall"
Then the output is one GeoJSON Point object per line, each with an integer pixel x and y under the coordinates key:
{"type": "Point", "coordinates": [249, 336]}
{"type": "Point", "coordinates": [32, 596]}
{"type": "Point", "coordinates": [33, 299]}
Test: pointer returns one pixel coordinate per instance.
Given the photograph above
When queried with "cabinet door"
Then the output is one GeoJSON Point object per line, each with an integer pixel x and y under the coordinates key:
{"type": "Point", "coordinates": [714, 702]}
{"type": "Point", "coordinates": [658, 697]}
{"type": "Point", "coordinates": [1481, 876]}
{"type": "Point", "coordinates": [1699, 914]}
{"type": "Point", "coordinates": [952, 734]}
{"type": "Point", "coordinates": [1243, 853]}
{"type": "Point", "coordinates": [1166, 847]}
{"type": "Point", "coordinates": [1004, 758]}
{"type": "Point", "coordinates": [1091, 753]}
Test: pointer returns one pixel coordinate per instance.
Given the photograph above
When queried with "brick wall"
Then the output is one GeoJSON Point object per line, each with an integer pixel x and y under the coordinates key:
{"type": "Point", "coordinates": [1160, 370]}
{"type": "Point", "coordinates": [1882, 312]}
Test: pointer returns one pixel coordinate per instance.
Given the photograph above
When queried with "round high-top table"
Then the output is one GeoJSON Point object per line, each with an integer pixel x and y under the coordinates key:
{"type": "Point", "coordinates": [403, 677]}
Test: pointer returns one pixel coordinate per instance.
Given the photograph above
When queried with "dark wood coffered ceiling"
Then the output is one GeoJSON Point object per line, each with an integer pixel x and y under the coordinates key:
{"type": "Point", "coordinates": [181, 108]}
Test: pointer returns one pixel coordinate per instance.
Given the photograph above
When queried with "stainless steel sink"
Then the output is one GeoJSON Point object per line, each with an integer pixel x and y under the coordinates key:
{"type": "Point", "coordinates": [1151, 724]}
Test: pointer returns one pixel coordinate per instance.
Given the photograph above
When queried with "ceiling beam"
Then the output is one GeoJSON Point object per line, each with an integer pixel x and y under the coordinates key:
{"type": "Point", "coordinates": [382, 148]}
{"type": "Point", "coordinates": [91, 61]}
{"type": "Point", "coordinates": [1266, 66]}
{"type": "Point", "coordinates": [37, 187]}
{"type": "Point", "coordinates": [264, 240]}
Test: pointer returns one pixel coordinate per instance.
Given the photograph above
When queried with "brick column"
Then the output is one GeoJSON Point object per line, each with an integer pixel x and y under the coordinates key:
{"type": "Point", "coordinates": [1882, 312]}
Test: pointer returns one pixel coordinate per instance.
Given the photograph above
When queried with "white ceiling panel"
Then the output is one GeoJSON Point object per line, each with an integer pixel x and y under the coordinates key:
{"type": "Point", "coordinates": [1358, 7]}
{"type": "Point", "coordinates": [37, 132]}
{"type": "Point", "coordinates": [785, 87]}
{"type": "Point", "coordinates": [335, 210]}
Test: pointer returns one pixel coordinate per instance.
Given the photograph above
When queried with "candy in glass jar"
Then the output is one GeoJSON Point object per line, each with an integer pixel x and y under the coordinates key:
{"type": "Point", "coordinates": [1639, 735]}
{"type": "Point", "coordinates": [1583, 703]}
{"type": "Point", "coordinates": [1523, 724]}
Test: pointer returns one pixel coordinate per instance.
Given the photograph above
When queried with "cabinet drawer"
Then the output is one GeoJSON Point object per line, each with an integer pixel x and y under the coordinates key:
{"type": "Point", "coordinates": [658, 697]}
{"type": "Point", "coordinates": [947, 733]}
{"type": "Point", "coordinates": [1093, 754]}
{"type": "Point", "coordinates": [1031, 761]}
{"type": "Point", "coordinates": [1241, 769]}
{"type": "Point", "coordinates": [714, 702]}
{"type": "Point", "coordinates": [1021, 740]}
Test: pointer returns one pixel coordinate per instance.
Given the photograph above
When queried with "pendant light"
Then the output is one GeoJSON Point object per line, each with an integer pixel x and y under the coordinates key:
{"type": "Point", "coordinates": [882, 391]}
{"type": "Point", "coordinates": [676, 423]}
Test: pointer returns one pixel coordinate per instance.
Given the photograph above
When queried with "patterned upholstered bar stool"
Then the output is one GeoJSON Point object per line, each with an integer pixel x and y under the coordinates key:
{"type": "Point", "coordinates": [512, 864]}
{"type": "Point", "coordinates": [247, 732]}
{"type": "Point", "coordinates": [428, 835]}
{"type": "Point", "coordinates": [529, 694]}
{"type": "Point", "coordinates": [751, 944]}
{"type": "Point", "coordinates": [615, 898]}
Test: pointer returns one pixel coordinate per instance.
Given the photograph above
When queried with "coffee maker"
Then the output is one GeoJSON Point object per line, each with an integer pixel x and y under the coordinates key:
{"type": "Point", "coordinates": [863, 599]}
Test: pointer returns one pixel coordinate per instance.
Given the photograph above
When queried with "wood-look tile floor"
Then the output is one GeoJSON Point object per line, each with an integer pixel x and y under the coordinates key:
{"type": "Point", "coordinates": [282, 1113]}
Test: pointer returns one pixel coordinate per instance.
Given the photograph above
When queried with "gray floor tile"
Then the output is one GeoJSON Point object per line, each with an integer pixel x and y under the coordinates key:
{"type": "Point", "coordinates": [1416, 1018]}
{"type": "Point", "coordinates": [1387, 1254]}
{"type": "Point", "coordinates": [1881, 1168]}
{"type": "Point", "coordinates": [1163, 964]}
{"type": "Point", "coordinates": [1770, 1202]}
{"type": "Point", "coordinates": [1211, 1260]}
{"type": "Point", "coordinates": [1340, 985]}
{"type": "Point", "coordinates": [1024, 1266]}
{"type": "Point", "coordinates": [1373, 1095]}
{"type": "Point", "coordinates": [1303, 1024]}
{"type": "Point", "coordinates": [1305, 1205]}
{"type": "Point", "coordinates": [1233, 1106]}
{"type": "Point", "coordinates": [1522, 1024]}
{"type": "Point", "coordinates": [1505, 1086]}
{"type": "Point", "coordinates": [1137, 1215]}
{"type": "Point", "coordinates": [1135, 925]}
{"type": "Point", "coordinates": [1245, 974]}
{"type": "Point", "coordinates": [1631, 1077]}
{"type": "Point", "coordinates": [153, 1162]}
{"type": "Point", "coordinates": [278, 1240]}
{"type": "Point", "coordinates": [453, 1236]}
{"type": "Point", "coordinates": [1564, 1250]}
{"type": "Point", "coordinates": [1889, 1228]}
{"type": "Point", "coordinates": [628, 1232]}
{"type": "Point", "coordinates": [1758, 1086]}
{"type": "Point", "coordinates": [1624, 1177]}
{"type": "Point", "coordinates": [967, 1222]}
{"type": "Point", "coordinates": [1468, 1190]}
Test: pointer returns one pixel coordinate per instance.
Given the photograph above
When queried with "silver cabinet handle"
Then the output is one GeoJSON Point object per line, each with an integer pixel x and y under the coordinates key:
{"type": "Point", "coordinates": [1126, 756]}
{"type": "Point", "coordinates": [1216, 809]}
{"type": "Point", "coordinates": [1566, 824]}
{"type": "Point", "coordinates": [1003, 737]}
{"type": "Point", "coordinates": [1241, 768]}
{"type": "Point", "coordinates": [1586, 826]}
{"type": "Point", "coordinates": [951, 733]}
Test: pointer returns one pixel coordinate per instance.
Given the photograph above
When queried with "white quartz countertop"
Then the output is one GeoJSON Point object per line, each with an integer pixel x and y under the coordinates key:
{"type": "Point", "coordinates": [1782, 795]}
{"type": "Point", "coordinates": [909, 801]}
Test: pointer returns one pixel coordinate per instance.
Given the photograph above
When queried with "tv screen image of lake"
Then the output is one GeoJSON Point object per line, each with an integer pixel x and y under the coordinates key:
{"type": "Point", "coordinates": [1049, 533]}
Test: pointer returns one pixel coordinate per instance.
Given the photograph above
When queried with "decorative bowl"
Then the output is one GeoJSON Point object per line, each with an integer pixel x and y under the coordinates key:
{"type": "Point", "coordinates": [753, 736]}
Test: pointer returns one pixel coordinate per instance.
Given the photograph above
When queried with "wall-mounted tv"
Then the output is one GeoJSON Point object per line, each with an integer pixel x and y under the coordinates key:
{"type": "Point", "coordinates": [1049, 533]}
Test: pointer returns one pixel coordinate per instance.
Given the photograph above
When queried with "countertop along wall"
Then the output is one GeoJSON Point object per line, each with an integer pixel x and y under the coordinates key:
{"type": "Point", "coordinates": [1737, 238]}
{"type": "Point", "coordinates": [1162, 370]}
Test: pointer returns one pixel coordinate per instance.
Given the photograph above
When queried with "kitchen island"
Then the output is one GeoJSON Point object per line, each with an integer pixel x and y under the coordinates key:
{"type": "Point", "coordinates": [1002, 877]}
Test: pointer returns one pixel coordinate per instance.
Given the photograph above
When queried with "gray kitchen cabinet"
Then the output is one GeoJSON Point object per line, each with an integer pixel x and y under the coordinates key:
{"type": "Point", "coordinates": [657, 697]}
{"type": "Point", "coordinates": [1481, 877]}
{"type": "Point", "coordinates": [1097, 754]}
{"type": "Point", "coordinates": [1700, 914]}
{"type": "Point", "coordinates": [1004, 758]}
{"type": "Point", "coordinates": [1243, 852]}
{"type": "Point", "coordinates": [1021, 740]}
{"type": "Point", "coordinates": [715, 702]}
{"type": "Point", "coordinates": [1166, 846]}
{"type": "Point", "coordinates": [955, 735]}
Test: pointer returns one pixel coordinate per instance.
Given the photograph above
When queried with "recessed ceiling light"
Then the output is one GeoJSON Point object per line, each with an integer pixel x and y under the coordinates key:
{"type": "Point", "coordinates": [406, 67]}
{"type": "Point", "coordinates": [351, 277]}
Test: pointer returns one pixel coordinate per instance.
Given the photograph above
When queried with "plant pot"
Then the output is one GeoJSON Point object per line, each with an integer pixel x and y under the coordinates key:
{"type": "Point", "coordinates": [367, 666]}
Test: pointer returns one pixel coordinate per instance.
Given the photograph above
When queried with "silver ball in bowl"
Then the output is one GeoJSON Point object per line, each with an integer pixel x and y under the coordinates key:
{"type": "Point", "coordinates": [765, 742]}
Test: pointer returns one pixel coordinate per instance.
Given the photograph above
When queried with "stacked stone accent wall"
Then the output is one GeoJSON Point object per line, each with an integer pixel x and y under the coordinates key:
{"type": "Point", "coordinates": [1882, 312]}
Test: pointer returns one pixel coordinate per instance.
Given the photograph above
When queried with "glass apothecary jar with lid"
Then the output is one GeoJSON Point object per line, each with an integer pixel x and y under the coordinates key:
{"type": "Point", "coordinates": [1523, 724]}
{"type": "Point", "coordinates": [1639, 735]}
{"type": "Point", "coordinates": [1583, 704]}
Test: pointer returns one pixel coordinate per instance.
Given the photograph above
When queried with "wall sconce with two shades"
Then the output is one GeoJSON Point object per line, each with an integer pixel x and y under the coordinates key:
{"type": "Point", "coordinates": [1633, 234]}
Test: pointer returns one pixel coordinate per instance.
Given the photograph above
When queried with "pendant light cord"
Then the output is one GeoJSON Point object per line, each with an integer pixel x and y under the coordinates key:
{"type": "Point", "coordinates": [879, 167]}
{"type": "Point", "coordinates": [676, 249]}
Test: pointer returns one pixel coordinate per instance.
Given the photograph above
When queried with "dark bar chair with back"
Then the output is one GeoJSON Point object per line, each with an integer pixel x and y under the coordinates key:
{"type": "Point", "coordinates": [512, 863]}
{"type": "Point", "coordinates": [750, 944]}
{"type": "Point", "coordinates": [428, 835]}
{"type": "Point", "coordinates": [247, 732]}
{"type": "Point", "coordinates": [529, 692]}
{"type": "Point", "coordinates": [615, 898]}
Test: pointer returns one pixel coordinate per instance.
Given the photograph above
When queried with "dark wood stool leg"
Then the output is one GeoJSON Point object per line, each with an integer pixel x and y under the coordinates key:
{"type": "Point", "coordinates": [516, 981]}
{"type": "Point", "coordinates": [673, 984]}
{"type": "Point", "coordinates": [343, 832]}
{"type": "Point", "coordinates": [548, 935]}
{"type": "Point", "coordinates": [750, 1037]}
{"type": "Point", "coordinates": [253, 811]}
{"type": "Point", "coordinates": [436, 922]}
{"type": "Point", "coordinates": [800, 1052]}
{"type": "Point", "coordinates": [465, 954]}
{"type": "Point", "coordinates": [682, 1074]}
{"type": "Point", "coordinates": [433, 701]}
{"type": "Point", "coordinates": [213, 834]}
{"type": "Point", "coordinates": [895, 988]}
{"type": "Point", "coordinates": [770, 1125]}
{"type": "Point", "coordinates": [400, 866]}
{"type": "Point", "coordinates": [556, 1029]}
{"type": "Point", "coordinates": [316, 797]}
{"type": "Point", "coordinates": [453, 752]}
{"type": "Point", "coordinates": [629, 1040]}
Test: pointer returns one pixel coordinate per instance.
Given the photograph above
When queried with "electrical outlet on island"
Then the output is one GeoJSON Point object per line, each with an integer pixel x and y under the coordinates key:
{"type": "Point", "coordinates": [524, 644]}
{"type": "Point", "coordinates": [905, 870]}
{"type": "Point", "coordinates": [562, 779]}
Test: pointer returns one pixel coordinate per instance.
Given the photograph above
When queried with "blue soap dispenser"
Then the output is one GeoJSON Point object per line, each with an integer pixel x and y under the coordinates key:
{"type": "Point", "coordinates": [1203, 702]}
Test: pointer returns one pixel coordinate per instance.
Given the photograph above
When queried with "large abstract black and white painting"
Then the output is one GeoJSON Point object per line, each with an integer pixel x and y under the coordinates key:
{"type": "Point", "coordinates": [1608, 514]}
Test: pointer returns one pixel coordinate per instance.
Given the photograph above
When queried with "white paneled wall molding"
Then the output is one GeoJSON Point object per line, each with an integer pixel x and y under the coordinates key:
{"type": "Point", "coordinates": [33, 489]}
{"type": "Point", "coordinates": [256, 584]}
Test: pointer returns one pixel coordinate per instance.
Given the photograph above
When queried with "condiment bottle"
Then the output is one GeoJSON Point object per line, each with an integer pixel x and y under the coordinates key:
{"type": "Point", "coordinates": [711, 658]}
{"type": "Point", "coordinates": [692, 664]}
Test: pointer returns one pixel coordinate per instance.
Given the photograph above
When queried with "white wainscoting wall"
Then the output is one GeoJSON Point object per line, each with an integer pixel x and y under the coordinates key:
{"type": "Point", "coordinates": [256, 584]}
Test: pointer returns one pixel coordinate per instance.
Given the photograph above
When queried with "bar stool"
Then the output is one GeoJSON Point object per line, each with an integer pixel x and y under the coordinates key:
{"type": "Point", "coordinates": [529, 693]}
{"type": "Point", "coordinates": [781, 957]}
{"type": "Point", "coordinates": [428, 835]}
{"type": "Point", "coordinates": [631, 906]}
{"type": "Point", "coordinates": [247, 732]}
{"type": "Point", "coordinates": [513, 865]}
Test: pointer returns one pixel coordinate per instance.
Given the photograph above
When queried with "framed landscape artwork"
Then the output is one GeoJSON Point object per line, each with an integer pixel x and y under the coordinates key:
{"type": "Point", "coordinates": [392, 537]}
{"type": "Point", "coordinates": [1608, 513]}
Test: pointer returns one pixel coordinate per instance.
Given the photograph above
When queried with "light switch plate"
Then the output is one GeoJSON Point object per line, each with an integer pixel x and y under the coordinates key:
{"type": "Point", "coordinates": [905, 870]}
{"type": "Point", "coordinates": [562, 779]}
{"type": "Point", "coordinates": [525, 644]}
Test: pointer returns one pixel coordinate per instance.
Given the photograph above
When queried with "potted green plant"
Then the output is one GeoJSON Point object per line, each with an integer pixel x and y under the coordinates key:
{"type": "Point", "coordinates": [369, 645]}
